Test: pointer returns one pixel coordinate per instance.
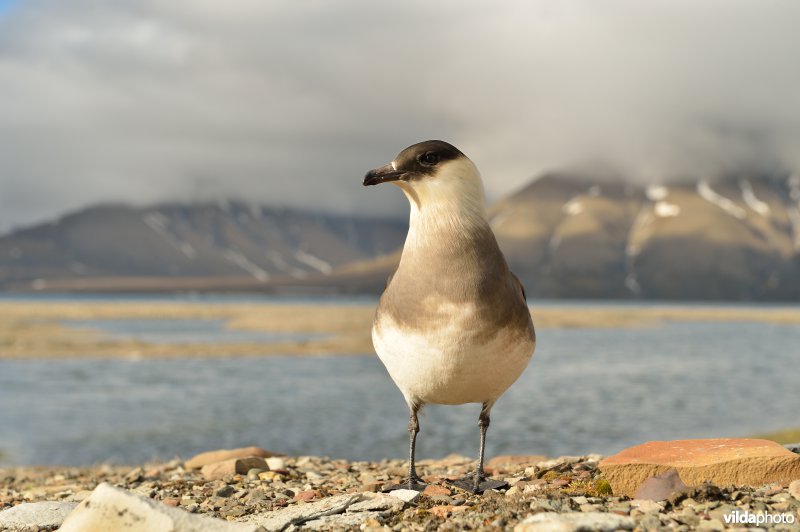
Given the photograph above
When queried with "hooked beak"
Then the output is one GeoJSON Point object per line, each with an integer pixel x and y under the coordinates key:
{"type": "Point", "coordinates": [383, 174]}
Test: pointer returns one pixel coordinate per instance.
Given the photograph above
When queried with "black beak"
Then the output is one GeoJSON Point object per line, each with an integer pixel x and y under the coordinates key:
{"type": "Point", "coordinates": [383, 174]}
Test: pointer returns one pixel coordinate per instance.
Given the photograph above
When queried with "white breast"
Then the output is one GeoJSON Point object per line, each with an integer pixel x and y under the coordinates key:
{"type": "Point", "coordinates": [444, 365]}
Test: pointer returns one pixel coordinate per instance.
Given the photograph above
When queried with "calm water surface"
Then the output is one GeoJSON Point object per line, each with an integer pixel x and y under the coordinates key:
{"type": "Point", "coordinates": [586, 390]}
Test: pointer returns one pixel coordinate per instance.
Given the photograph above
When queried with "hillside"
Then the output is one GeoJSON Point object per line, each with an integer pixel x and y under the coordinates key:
{"type": "Point", "coordinates": [227, 245]}
{"type": "Point", "coordinates": [565, 235]}
{"type": "Point", "coordinates": [572, 236]}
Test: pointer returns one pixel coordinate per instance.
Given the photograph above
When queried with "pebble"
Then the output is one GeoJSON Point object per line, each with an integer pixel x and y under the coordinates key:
{"type": "Point", "coordinates": [405, 495]}
{"type": "Point", "coordinates": [336, 487]}
{"type": "Point", "coordinates": [276, 462]}
{"type": "Point", "coordinates": [599, 521]}
{"type": "Point", "coordinates": [794, 489]}
{"type": "Point", "coordinates": [48, 514]}
{"type": "Point", "coordinates": [225, 491]}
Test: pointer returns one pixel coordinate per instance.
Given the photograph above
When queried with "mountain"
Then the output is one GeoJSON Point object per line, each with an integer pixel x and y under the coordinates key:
{"type": "Point", "coordinates": [736, 238]}
{"type": "Point", "coordinates": [574, 236]}
{"type": "Point", "coordinates": [229, 245]}
{"type": "Point", "coordinates": [565, 235]}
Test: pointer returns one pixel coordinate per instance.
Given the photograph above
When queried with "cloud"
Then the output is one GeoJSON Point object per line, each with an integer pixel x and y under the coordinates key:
{"type": "Point", "coordinates": [291, 102]}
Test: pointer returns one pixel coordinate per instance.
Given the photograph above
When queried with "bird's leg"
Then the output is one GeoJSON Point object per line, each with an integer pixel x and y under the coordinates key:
{"type": "Point", "coordinates": [476, 482]}
{"type": "Point", "coordinates": [413, 482]}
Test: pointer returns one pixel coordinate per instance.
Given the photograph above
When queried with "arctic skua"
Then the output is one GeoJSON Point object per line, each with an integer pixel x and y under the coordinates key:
{"type": "Point", "coordinates": [452, 326]}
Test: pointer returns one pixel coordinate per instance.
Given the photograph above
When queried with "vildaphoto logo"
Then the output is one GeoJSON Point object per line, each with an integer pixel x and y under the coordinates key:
{"type": "Point", "coordinates": [750, 518]}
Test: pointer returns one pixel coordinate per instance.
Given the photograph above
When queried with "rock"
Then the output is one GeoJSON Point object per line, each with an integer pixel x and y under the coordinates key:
{"type": "Point", "coordinates": [377, 502]}
{"type": "Point", "coordinates": [346, 521]}
{"type": "Point", "coordinates": [794, 489]}
{"type": "Point", "coordinates": [298, 514]}
{"type": "Point", "coordinates": [660, 487]}
{"type": "Point", "coordinates": [233, 466]}
{"type": "Point", "coordinates": [646, 505]}
{"type": "Point", "coordinates": [710, 524]}
{"type": "Point", "coordinates": [307, 495]}
{"type": "Point", "coordinates": [513, 462]}
{"type": "Point", "coordinates": [433, 489]}
{"type": "Point", "coordinates": [588, 521]}
{"type": "Point", "coordinates": [276, 462]}
{"type": "Point", "coordinates": [220, 455]}
{"type": "Point", "coordinates": [405, 495]}
{"type": "Point", "coordinates": [721, 461]}
{"type": "Point", "coordinates": [254, 472]}
{"type": "Point", "coordinates": [110, 508]}
{"type": "Point", "coordinates": [47, 514]}
{"type": "Point", "coordinates": [225, 491]}
{"type": "Point", "coordinates": [443, 511]}
{"type": "Point", "coordinates": [794, 447]}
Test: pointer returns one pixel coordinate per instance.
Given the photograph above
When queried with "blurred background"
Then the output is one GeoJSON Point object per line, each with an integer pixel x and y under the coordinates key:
{"type": "Point", "coordinates": [208, 157]}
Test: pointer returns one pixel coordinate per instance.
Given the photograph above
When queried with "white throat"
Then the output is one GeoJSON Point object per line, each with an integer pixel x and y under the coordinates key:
{"type": "Point", "coordinates": [450, 205]}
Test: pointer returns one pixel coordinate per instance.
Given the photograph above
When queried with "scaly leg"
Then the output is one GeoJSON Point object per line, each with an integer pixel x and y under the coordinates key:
{"type": "Point", "coordinates": [476, 482]}
{"type": "Point", "coordinates": [413, 481]}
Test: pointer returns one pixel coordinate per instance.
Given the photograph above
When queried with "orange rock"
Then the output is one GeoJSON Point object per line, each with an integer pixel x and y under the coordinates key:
{"type": "Point", "coordinates": [308, 495]}
{"type": "Point", "coordinates": [513, 462]}
{"type": "Point", "coordinates": [212, 457]}
{"type": "Point", "coordinates": [232, 467]}
{"type": "Point", "coordinates": [443, 511]}
{"type": "Point", "coordinates": [725, 461]}
{"type": "Point", "coordinates": [432, 490]}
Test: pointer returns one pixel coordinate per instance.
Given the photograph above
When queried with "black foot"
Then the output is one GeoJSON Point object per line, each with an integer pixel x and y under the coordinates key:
{"type": "Point", "coordinates": [414, 483]}
{"type": "Point", "coordinates": [467, 483]}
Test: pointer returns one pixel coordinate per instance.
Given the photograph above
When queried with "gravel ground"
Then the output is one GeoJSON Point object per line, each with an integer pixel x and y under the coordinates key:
{"type": "Point", "coordinates": [557, 487]}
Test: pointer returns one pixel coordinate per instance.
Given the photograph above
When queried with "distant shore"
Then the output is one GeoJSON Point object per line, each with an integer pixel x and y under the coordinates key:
{"type": "Point", "coordinates": [36, 329]}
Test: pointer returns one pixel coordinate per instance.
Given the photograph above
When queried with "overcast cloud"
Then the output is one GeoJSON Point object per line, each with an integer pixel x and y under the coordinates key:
{"type": "Point", "coordinates": [290, 102]}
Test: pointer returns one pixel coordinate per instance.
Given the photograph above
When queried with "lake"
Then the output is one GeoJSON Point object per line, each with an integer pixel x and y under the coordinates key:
{"type": "Point", "coordinates": [586, 390]}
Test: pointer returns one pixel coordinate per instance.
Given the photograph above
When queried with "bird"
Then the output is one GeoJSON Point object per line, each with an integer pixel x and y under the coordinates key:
{"type": "Point", "coordinates": [452, 325]}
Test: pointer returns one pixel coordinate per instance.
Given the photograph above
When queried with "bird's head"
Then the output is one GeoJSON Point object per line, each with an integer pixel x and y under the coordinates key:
{"type": "Point", "coordinates": [434, 174]}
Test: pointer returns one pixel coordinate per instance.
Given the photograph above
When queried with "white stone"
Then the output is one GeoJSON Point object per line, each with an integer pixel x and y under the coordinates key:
{"type": "Point", "coordinates": [405, 495]}
{"type": "Point", "coordinates": [377, 502]}
{"type": "Point", "coordinates": [552, 522]}
{"type": "Point", "coordinates": [110, 508]}
{"type": "Point", "coordinates": [301, 513]}
{"type": "Point", "coordinates": [275, 462]}
{"type": "Point", "coordinates": [47, 514]}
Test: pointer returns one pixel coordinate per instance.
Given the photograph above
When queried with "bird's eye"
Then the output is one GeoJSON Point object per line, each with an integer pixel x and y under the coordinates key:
{"type": "Point", "coordinates": [428, 159]}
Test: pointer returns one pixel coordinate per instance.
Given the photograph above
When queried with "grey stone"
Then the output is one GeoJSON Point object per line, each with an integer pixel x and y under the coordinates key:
{"type": "Point", "coordinates": [47, 514]}
{"type": "Point", "coordinates": [647, 506]}
{"type": "Point", "coordinates": [225, 491]}
{"type": "Point", "coordinates": [660, 487]}
{"type": "Point", "coordinates": [575, 522]}
{"type": "Point", "coordinates": [347, 521]}
{"type": "Point", "coordinates": [301, 513]}
{"type": "Point", "coordinates": [110, 508]}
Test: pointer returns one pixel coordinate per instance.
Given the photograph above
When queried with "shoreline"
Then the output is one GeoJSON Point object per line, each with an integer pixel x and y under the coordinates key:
{"type": "Point", "coordinates": [212, 488]}
{"type": "Point", "coordinates": [36, 330]}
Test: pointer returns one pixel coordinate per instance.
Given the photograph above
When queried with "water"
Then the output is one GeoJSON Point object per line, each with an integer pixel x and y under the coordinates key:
{"type": "Point", "coordinates": [586, 390]}
{"type": "Point", "coordinates": [183, 331]}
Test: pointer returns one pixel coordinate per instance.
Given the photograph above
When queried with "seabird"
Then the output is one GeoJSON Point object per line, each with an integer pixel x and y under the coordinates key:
{"type": "Point", "coordinates": [452, 326]}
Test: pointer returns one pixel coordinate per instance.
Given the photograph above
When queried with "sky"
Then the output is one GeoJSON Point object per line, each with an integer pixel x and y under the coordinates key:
{"type": "Point", "coordinates": [290, 102]}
